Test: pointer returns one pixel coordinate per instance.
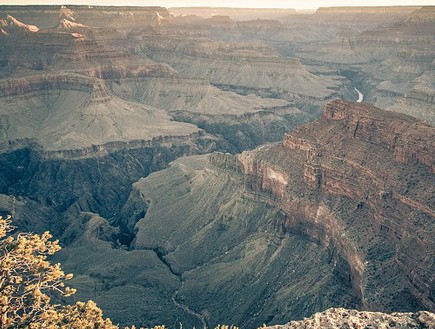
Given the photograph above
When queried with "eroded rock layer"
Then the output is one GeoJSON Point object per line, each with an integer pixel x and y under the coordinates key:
{"type": "Point", "coordinates": [340, 212]}
{"type": "Point", "coordinates": [380, 162]}
{"type": "Point", "coordinates": [93, 99]}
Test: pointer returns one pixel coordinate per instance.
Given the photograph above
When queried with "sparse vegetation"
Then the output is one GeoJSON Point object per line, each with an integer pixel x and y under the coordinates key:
{"type": "Point", "coordinates": [28, 282]}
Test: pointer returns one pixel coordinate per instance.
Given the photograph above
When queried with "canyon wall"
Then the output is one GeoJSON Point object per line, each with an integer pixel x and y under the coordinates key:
{"type": "Point", "coordinates": [95, 102]}
{"type": "Point", "coordinates": [339, 158]}
{"type": "Point", "coordinates": [325, 217]}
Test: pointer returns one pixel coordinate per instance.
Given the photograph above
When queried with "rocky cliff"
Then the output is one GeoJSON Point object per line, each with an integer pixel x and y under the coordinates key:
{"type": "Point", "coordinates": [345, 189]}
{"type": "Point", "coordinates": [109, 70]}
{"type": "Point", "coordinates": [359, 153]}
{"type": "Point", "coordinates": [73, 112]}
{"type": "Point", "coordinates": [111, 16]}
{"type": "Point", "coordinates": [324, 219]}
{"type": "Point", "coordinates": [94, 99]}
{"type": "Point", "coordinates": [238, 66]}
{"type": "Point", "coordinates": [339, 318]}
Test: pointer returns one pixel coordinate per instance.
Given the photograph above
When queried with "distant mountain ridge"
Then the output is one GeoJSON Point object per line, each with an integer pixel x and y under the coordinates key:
{"type": "Point", "coordinates": [216, 169]}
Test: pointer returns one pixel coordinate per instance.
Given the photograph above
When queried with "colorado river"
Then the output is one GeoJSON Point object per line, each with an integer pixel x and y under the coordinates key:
{"type": "Point", "coordinates": [360, 95]}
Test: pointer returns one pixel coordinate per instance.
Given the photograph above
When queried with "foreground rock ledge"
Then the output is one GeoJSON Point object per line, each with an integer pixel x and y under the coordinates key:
{"type": "Point", "coordinates": [343, 318]}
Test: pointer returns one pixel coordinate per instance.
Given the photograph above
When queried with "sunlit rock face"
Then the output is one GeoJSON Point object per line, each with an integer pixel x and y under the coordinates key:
{"type": "Point", "coordinates": [102, 16]}
{"type": "Point", "coordinates": [343, 184]}
{"type": "Point", "coordinates": [339, 318]}
{"type": "Point", "coordinates": [88, 54]}
{"type": "Point", "coordinates": [95, 102]}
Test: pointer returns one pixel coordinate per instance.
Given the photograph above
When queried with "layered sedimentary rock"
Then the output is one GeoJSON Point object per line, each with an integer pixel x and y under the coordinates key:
{"type": "Point", "coordinates": [241, 121]}
{"type": "Point", "coordinates": [93, 99]}
{"type": "Point", "coordinates": [81, 113]}
{"type": "Point", "coordinates": [177, 94]}
{"type": "Point", "coordinates": [410, 68]}
{"type": "Point", "coordinates": [11, 25]}
{"type": "Point", "coordinates": [239, 254]}
{"type": "Point", "coordinates": [240, 67]}
{"type": "Point", "coordinates": [74, 50]}
{"type": "Point", "coordinates": [354, 189]}
{"type": "Point", "coordinates": [392, 63]}
{"type": "Point", "coordinates": [384, 61]}
{"type": "Point", "coordinates": [109, 16]}
{"type": "Point", "coordinates": [362, 137]}
{"type": "Point", "coordinates": [63, 57]}
{"type": "Point", "coordinates": [411, 141]}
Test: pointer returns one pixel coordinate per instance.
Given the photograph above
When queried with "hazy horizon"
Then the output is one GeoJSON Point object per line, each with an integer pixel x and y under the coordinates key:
{"type": "Point", "coordinates": [309, 4]}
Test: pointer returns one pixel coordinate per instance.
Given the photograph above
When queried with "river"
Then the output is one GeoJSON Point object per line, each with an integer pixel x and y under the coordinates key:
{"type": "Point", "coordinates": [360, 95]}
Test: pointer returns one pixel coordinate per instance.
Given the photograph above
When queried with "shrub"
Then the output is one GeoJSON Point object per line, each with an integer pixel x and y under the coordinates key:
{"type": "Point", "coordinates": [27, 279]}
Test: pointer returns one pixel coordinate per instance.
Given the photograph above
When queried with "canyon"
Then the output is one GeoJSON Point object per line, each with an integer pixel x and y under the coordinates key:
{"type": "Point", "coordinates": [260, 216]}
{"type": "Point", "coordinates": [225, 166]}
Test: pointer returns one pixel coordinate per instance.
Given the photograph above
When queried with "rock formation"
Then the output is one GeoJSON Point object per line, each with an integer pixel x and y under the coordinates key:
{"type": "Point", "coordinates": [95, 101]}
{"type": "Point", "coordinates": [346, 189]}
{"type": "Point", "coordinates": [341, 157]}
{"type": "Point", "coordinates": [339, 318]}
{"type": "Point", "coordinates": [395, 59]}
{"type": "Point", "coordinates": [122, 18]}
{"type": "Point", "coordinates": [63, 57]}
{"type": "Point", "coordinates": [236, 14]}
{"type": "Point", "coordinates": [12, 25]}
{"type": "Point", "coordinates": [240, 67]}
{"type": "Point", "coordinates": [84, 114]}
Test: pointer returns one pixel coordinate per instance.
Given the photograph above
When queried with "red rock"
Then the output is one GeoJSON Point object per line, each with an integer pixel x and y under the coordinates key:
{"type": "Point", "coordinates": [381, 163]}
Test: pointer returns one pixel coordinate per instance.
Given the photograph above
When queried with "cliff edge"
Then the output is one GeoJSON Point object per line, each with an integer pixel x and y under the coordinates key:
{"type": "Point", "coordinates": [339, 214]}
{"type": "Point", "coordinates": [343, 318]}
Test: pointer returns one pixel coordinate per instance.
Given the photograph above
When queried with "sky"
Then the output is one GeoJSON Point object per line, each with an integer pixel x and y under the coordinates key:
{"type": "Point", "coordinates": [298, 4]}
